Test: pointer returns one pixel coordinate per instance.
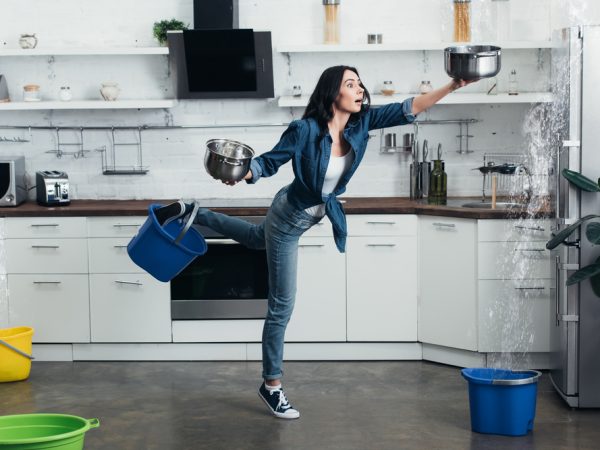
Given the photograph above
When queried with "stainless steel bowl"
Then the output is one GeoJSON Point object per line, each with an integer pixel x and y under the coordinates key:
{"type": "Point", "coordinates": [227, 160]}
{"type": "Point", "coordinates": [472, 62]}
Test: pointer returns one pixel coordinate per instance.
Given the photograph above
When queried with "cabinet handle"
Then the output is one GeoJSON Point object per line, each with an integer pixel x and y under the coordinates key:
{"type": "Point", "coordinates": [311, 245]}
{"type": "Point", "coordinates": [381, 245]}
{"type": "Point", "coordinates": [44, 225]}
{"type": "Point", "coordinates": [118, 225]}
{"type": "Point", "coordinates": [530, 249]}
{"type": "Point", "coordinates": [119, 246]}
{"type": "Point", "coordinates": [137, 283]}
{"type": "Point", "coordinates": [523, 227]}
{"type": "Point", "coordinates": [45, 246]}
{"type": "Point", "coordinates": [557, 287]}
{"type": "Point", "coordinates": [539, 288]}
{"type": "Point", "coordinates": [380, 222]}
{"type": "Point", "coordinates": [441, 224]}
{"type": "Point", "coordinates": [47, 282]}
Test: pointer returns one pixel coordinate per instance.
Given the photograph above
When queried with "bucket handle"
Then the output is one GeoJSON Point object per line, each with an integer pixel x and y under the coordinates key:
{"type": "Point", "coordinates": [15, 349]}
{"type": "Point", "coordinates": [93, 423]}
{"type": "Point", "coordinates": [188, 224]}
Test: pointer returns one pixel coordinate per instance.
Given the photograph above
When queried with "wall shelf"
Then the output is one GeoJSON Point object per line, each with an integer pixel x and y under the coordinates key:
{"type": "Point", "coordinates": [452, 99]}
{"type": "Point", "coordinates": [398, 47]}
{"type": "Point", "coordinates": [88, 104]}
{"type": "Point", "coordinates": [84, 51]}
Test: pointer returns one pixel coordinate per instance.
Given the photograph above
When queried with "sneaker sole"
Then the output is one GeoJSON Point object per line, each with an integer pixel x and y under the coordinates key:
{"type": "Point", "coordinates": [276, 414]}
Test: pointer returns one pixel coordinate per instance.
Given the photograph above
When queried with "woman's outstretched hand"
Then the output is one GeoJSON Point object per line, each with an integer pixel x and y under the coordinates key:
{"type": "Point", "coordinates": [248, 176]}
{"type": "Point", "coordinates": [462, 83]}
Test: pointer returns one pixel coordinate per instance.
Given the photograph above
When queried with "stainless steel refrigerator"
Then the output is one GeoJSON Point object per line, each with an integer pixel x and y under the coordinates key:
{"type": "Point", "coordinates": [575, 310]}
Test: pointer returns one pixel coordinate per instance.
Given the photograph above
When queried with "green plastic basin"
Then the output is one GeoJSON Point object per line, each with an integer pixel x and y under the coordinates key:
{"type": "Point", "coordinates": [44, 431]}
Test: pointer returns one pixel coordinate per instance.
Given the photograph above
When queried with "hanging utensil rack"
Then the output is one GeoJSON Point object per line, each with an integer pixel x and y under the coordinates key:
{"type": "Point", "coordinates": [109, 158]}
{"type": "Point", "coordinates": [507, 185]}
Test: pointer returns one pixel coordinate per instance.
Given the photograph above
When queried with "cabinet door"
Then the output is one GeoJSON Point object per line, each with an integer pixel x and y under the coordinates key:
{"type": "Point", "coordinates": [56, 306]}
{"type": "Point", "coordinates": [382, 288]}
{"type": "Point", "coordinates": [513, 315]}
{"type": "Point", "coordinates": [129, 308]}
{"type": "Point", "coordinates": [448, 277]}
{"type": "Point", "coordinates": [320, 309]}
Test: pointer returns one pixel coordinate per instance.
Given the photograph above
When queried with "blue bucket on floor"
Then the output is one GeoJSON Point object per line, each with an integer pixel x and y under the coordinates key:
{"type": "Point", "coordinates": [165, 251]}
{"type": "Point", "coordinates": [502, 401]}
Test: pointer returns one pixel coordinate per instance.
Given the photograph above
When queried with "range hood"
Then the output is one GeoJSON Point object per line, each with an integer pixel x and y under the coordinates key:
{"type": "Point", "coordinates": [218, 60]}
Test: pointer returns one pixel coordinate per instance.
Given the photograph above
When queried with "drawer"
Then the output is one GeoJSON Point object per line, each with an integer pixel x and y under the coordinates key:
{"type": "Point", "coordinates": [118, 302]}
{"type": "Point", "coordinates": [114, 226]}
{"type": "Point", "coordinates": [56, 306]}
{"type": "Point", "coordinates": [109, 255]}
{"type": "Point", "coordinates": [382, 225]}
{"type": "Point", "coordinates": [514, 316]}
{"type": "Point", "coordinates": [46, 255]}
{"type": "Point", "coordinates": [514, 230]}
{"type": "Point", "coordinates": [45, 227]}
{"type": "Point", "coordinates": [513, 260]}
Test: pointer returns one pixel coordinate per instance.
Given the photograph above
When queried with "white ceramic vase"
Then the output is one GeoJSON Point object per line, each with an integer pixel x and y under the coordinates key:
{"type": "Point", "coordinates": [110, 91]}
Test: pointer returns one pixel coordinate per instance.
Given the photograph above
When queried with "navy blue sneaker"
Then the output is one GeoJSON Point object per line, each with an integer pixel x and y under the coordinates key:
{"type": "Point", "coordinates": [169, 213]}
{"type": "Point", "coordinates": [277, 403]}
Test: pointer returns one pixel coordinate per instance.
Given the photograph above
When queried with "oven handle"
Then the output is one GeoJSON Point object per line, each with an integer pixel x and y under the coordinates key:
{"type": "Point", "coordinates": [221, 241]}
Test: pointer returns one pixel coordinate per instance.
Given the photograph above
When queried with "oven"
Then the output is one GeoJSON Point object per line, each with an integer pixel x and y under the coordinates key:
{"type": "Point", "coordinates": [229, 281]}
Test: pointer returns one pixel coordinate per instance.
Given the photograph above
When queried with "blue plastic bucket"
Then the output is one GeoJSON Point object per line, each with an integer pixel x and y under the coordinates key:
{"type": "Point", "coordinates": [163, 252]}
{"type": "Point", "coordinates": [502, 401]}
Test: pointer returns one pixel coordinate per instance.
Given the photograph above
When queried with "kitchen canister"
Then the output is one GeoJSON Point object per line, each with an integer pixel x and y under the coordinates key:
{"type": "Point", "coordinates": [332, 24]}
{"type": "Point", "coordinates": [31, 93]}
{"type": "Point", "coordinates": [65, 94]}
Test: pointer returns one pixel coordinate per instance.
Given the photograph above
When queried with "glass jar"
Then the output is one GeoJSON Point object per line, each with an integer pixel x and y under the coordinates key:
{"type": "Point", "coordinates": [513, 85]}
{"type": "Point", "coordinates": [332, 25]}
{"type": "Point", "coordinates": [65, 94]}
{"type": "Point", "coordinates": [462, 20]}
{"type": "Point", "coordinates": [31, 93]}
{"type": "Point", "coordinates": [297, 91]}
{"type": "Point", "coordinates": [438, 184]}
{"type": "Point", "coordinates": [425, 87]}
{"type": "Point", "coordinates": [388, 88]}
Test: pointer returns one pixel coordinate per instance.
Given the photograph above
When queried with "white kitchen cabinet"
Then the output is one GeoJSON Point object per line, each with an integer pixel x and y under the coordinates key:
{"type": "Point", "coordinates": [514, 286]}
{"type": "Point", "coordinates": [320, 308]}
{"type": "Point", "coordinates": [381, 278]}
{"type": "Point", "coordinates": [126, 304]}
{"type": "Point", "coordinates": [47, 267]}
{"type": "Point", "coordinates": [448, 289]}
{"type": "Point", "coordinates": [129, 308]}
{"type": "Point", "coordinates": [56, 306]}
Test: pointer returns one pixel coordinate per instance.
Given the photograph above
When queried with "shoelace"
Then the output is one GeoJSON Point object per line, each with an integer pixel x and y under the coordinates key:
{"type": "Point", "coordinates": [283, 402]}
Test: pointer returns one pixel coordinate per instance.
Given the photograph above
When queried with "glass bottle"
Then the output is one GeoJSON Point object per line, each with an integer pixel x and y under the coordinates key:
{"type": "Point", "coordinates": [65, 94]}
{"type": "Point", "coordinates": [388, 88]}
{"type": "Point", "coordinates": [513, 85]}
{"type": "Point", "coordinates": [438, 184]}
{"type": "Point", "coordinates": [297, 91]}
{"type": "Point", "coordinates": [425, 87]}
{"type": "Point", "coordinates": [462, 20]}
{"type": "Point", "coordinates": [332, 25]}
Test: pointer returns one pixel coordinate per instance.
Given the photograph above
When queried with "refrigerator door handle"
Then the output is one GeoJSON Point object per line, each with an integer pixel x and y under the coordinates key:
{"type": "Point", "coordinates": [557, 286]}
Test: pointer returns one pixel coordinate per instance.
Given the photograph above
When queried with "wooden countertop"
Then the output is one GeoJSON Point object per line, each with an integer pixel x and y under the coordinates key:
{"type": "Point", "coordinates": [352, 205]}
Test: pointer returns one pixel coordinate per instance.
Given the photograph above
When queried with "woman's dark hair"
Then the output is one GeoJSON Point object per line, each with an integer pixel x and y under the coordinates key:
{"type": "Point", "coordinates": [320, 105]}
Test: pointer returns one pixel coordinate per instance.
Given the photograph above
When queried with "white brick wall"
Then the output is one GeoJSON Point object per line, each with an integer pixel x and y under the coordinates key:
{"type": "Point", "coordinates": [175, 157]}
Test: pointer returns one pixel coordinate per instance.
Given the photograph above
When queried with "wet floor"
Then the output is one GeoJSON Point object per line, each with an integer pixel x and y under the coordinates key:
{"type": "Point", "coordinates": [343, 405]}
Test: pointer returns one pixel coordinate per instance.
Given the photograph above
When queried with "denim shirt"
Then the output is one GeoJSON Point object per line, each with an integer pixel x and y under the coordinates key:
{"type": "Point", "coordinates": [310, 158]}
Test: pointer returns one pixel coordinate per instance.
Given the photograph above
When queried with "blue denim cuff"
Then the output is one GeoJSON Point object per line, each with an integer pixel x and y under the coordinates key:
{"type": "Point", "coordinates": [407, 110]}
{"type": "Point", "coordinates": [256, 172]}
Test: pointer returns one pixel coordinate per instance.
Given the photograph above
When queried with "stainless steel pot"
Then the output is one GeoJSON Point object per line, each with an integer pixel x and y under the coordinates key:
{"type": "Point", "coordinates": [472, 62]}
{"type": "Point", "coordinates": [227, 160]}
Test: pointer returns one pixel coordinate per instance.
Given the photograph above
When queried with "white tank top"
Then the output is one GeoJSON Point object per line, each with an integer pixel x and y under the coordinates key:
{"type": "Point", "coordinates": [337, 167]}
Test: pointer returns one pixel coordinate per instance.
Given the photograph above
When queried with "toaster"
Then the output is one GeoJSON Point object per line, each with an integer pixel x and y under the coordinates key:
{"type": "Point", "coordinates": [52, 187]}
{"type": "Point", "coordinates": [13, 190]}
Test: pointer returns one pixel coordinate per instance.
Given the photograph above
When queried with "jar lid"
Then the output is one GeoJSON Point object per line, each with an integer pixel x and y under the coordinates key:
{"type": "Point", "coordinates": [65, 87]}
{"type": "Point", "coordinates": [31, 87]}
{"type": "Point", "coordinates": [331, 2]}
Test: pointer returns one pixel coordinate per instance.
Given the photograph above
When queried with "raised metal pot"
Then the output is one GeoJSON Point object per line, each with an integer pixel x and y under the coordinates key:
{"type": "Point", "coordinates": [472, 62]}
{"type": "Point", "coordinates": [227, 160]}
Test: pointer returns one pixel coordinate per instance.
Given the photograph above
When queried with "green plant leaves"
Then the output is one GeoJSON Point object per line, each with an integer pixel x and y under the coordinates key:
{"type": "Point", "coordinates": [581, 181]}
{"type": "Point", "coordinates": [561, 236]}
{"type": "Point", "coordinates": [592, 233]}
{"type": "Point", "coordinates": [592, 271]}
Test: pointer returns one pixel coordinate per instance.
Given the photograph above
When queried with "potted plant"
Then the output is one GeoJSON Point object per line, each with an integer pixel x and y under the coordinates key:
{"type": "Point", "coordinates": [159, 30]}
{"type": "Point", "coordinates": [592, 233]}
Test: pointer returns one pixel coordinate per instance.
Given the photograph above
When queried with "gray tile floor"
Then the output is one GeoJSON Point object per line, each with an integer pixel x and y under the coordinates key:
{"type": "Point", "coordinates": [343, 405]}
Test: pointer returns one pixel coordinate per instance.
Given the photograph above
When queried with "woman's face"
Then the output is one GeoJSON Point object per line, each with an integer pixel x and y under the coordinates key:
{"type": "Point", "coordinates": [351, 93]}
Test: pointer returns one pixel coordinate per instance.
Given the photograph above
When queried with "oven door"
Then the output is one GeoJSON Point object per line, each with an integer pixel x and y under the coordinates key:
{"type": "Point", "coordinates": [229, 281]}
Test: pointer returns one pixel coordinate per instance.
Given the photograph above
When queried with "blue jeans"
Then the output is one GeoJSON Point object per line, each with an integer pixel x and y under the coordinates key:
{"type": "Point", "coordinates": [278, 234]}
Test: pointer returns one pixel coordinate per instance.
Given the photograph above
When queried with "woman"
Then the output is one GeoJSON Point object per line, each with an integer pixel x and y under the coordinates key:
{"type": "Point", "coordinates": [325, 147]}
